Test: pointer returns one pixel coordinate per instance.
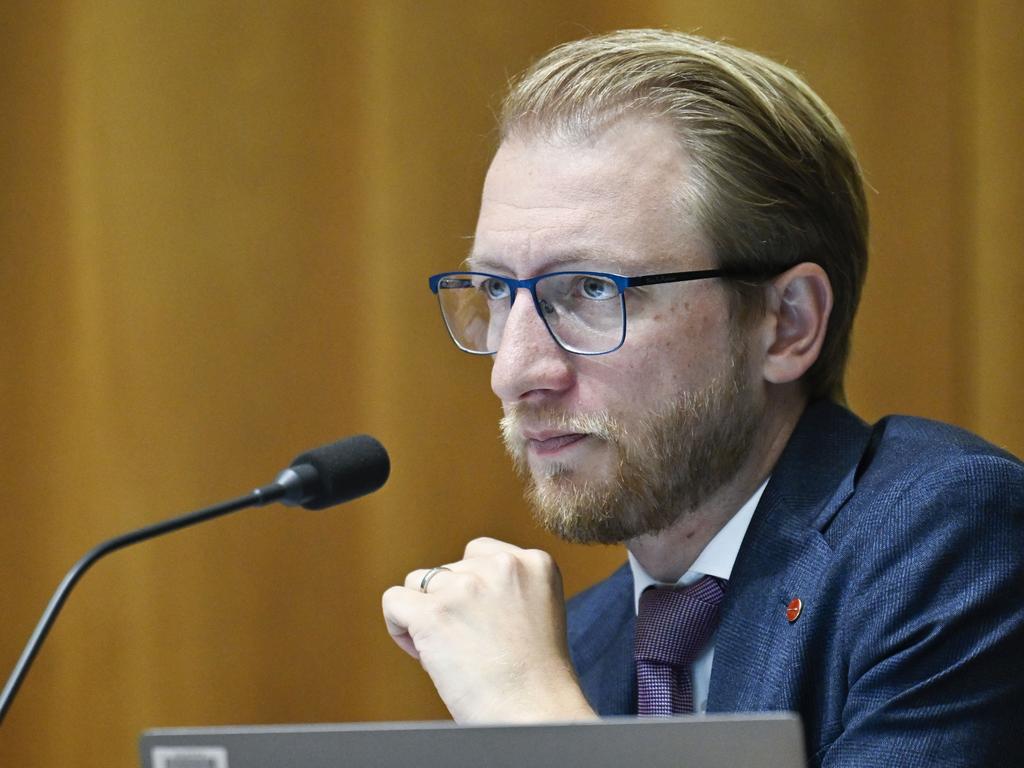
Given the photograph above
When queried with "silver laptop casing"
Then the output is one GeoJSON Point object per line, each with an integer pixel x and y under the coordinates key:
{"type": "Point", "coordinates": [764, 740]}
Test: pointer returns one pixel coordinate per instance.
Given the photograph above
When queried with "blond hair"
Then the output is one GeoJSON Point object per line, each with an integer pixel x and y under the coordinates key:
{"type": "Point", "coordinates": [775, 181]}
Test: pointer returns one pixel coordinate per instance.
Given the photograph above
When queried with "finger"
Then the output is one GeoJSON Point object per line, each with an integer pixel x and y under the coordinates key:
{"type": "Point", "coordinates": [500, 560]}
{"type": "Point", "coordinates": [404, 641]}
{"type": "Point", "coordinates": [414, 579]}
{"type": "Point", "coordinates": [486, 546]}
{"type": "Point", "coordinates": [402, 607]}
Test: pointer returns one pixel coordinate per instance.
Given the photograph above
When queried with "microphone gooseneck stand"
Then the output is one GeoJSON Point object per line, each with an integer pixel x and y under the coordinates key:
{"type": "Point", "coordinates": [258, 498]}
{"type": "Point", "coordinates": [317, 479]}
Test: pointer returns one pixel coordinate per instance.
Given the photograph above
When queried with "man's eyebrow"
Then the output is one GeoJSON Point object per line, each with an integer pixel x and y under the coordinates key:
{"type": "Point", "coordinates": [607, 258]}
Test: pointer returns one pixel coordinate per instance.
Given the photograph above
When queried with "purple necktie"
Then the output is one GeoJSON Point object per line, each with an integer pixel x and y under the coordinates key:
{"type": "Point", "coordinates": [672, 628]}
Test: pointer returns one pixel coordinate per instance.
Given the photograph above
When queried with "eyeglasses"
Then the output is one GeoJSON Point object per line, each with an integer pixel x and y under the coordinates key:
{"type": "Point", "coordinates": [585, 312]}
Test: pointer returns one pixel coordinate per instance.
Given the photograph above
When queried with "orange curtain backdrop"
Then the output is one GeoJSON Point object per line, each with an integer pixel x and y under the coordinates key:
{"type": "Point", "coordinates": [217, 223]}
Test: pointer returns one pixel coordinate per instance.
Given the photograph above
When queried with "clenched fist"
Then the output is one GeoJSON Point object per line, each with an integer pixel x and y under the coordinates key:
{"type": "Point", "coordinates": [490, 632]}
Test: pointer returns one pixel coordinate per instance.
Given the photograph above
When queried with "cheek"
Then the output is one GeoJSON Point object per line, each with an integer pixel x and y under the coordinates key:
{"type": "Point", "coordinates": [636, 378]}
{"type": "Point", "coordinates": [690, 343]}
{"type": "Point", "coordinates": [671, 347]}
{"type": "Point", "coordinates": [675, 349]}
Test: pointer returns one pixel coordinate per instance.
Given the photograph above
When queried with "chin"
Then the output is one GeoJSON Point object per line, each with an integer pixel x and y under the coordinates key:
{"type": "Point", "coordinates": [595, 466]}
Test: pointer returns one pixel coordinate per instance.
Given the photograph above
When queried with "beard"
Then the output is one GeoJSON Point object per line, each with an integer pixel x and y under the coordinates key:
{"type": "Point", "coordinates": [669, 460]}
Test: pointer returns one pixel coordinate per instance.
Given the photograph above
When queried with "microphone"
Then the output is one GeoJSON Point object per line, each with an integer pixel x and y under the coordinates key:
{"type": "Point", "coordinates": [317, 479]}
{"type": "Point", "coordinates": [335, 473]}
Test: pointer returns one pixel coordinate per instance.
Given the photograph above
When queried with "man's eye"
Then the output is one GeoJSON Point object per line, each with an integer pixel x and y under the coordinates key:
{"type": "Point", "coordinates": [597, 288]}
{"type": "Point", "coordinates": [494, 289]}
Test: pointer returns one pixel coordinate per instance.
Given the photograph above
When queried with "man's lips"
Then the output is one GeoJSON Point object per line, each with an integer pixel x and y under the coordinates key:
{"type": "Point", "coordinates": [548, 443]}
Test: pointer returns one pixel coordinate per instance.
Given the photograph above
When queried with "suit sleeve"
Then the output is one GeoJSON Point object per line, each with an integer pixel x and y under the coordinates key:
{"type": "Point", "coordinates": [934, 623]}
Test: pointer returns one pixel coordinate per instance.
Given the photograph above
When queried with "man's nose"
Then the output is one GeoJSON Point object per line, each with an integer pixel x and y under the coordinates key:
{"type": "Point", "coordinates": [529, 363]}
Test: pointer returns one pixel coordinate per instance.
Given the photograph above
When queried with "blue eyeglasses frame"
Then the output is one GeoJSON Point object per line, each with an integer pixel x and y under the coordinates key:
{"type": "Point", "coordinates": [621, 282]}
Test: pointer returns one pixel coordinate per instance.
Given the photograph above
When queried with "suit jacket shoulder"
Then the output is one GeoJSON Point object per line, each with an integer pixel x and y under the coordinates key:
{"type": "Point", "coordinates": [904, 543]}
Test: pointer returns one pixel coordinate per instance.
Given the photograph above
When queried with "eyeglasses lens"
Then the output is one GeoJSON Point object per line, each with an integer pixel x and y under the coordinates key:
{"type": "Point", "coordinates": [584, 313]}
{"type": "Point", "coordinates": [474, 310]}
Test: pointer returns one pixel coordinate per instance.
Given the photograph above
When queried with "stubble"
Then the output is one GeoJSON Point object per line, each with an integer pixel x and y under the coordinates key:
{"type": "Point", "coordinates": [669, 461]}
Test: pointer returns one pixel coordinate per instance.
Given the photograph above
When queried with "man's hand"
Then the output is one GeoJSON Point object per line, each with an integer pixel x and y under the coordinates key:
{"type": "Point", "coordinates": [490, 632]}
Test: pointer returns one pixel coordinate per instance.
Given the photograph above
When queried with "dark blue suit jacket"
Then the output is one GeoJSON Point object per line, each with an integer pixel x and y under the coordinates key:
{"type": "Point", "coordinates": [905, 543]}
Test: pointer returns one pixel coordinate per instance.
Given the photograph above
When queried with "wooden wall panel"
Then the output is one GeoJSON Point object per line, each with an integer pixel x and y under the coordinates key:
{"type": "Point", "coordinates": [217, 223]}
{"type": "Point", "coordinates": [993, 191]}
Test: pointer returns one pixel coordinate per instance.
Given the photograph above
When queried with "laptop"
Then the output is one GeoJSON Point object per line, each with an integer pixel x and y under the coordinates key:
{"type": "Point", "coordinates": [764, 740]}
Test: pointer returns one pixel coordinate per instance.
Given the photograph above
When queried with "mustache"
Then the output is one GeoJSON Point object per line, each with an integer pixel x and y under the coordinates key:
{"type": "Point", "coordinates": [521, 417]}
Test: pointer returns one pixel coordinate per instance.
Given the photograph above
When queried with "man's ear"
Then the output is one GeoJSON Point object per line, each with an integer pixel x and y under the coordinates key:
{"type": "Point", "coordinates": [799, 304]}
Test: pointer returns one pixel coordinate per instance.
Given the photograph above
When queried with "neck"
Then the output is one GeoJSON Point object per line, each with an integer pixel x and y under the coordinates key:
{"type": "Point", "coordinates": [668, 554]}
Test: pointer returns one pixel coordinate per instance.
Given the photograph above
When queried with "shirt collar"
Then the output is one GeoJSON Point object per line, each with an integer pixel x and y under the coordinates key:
{"type": "Point", "coordinates": [716, 559]}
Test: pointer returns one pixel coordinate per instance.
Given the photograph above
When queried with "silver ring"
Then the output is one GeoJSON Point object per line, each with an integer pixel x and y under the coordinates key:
{"type": "Point", "coordinates": [425, 582]}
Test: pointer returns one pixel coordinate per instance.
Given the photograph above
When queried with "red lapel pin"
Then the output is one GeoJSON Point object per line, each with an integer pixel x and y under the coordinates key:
{"type": "Point", "coordinates": [793, 609]}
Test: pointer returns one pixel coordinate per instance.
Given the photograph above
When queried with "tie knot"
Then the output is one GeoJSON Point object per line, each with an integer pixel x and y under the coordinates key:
{"type": "Point", "coordinates": [673, 625]}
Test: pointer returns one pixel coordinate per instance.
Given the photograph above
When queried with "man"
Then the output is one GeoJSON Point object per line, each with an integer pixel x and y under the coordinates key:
{"type": "Point", "coordinates": [670, 249]}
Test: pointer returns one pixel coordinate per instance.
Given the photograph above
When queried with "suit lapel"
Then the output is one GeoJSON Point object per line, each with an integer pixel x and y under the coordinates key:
{"type": "Point", "coordinates": [782, 554]}
{"type": "Point", "coordinates": [601, 626]}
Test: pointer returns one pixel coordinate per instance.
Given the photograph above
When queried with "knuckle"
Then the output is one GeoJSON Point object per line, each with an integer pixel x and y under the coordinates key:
{"type": "Point", "coordinates": [471, 587]}
{"type": "Point", "coordinates": [457, 589]}
{"type": "Point", "coordinates": [440, 613]}
{"type": "Point", "coordinates": [477, 543]}
{"type": "Point", "coordinates": [543, 565]}
{"type": "Point", "coordinates": [388, 596]}
{"type": "Point", "coordinates": [540, 559]}
{"type": "Point", "coordinates": [505, 563]}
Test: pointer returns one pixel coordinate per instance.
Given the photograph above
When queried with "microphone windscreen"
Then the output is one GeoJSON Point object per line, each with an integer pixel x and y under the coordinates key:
{"type": "Point", "coordinates": [346, 470]}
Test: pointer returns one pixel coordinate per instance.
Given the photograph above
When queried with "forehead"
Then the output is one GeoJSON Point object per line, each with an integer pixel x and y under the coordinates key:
{"type": "Point", "coordinates": [616, 201]}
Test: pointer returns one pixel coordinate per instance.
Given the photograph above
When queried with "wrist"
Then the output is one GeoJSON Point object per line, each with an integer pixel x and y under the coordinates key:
{"type": "Point", "coordinates": [554, 697]}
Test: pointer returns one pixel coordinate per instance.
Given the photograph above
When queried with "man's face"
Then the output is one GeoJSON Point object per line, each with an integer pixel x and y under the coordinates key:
{"type": "Point", "coordinates": [623, 444]}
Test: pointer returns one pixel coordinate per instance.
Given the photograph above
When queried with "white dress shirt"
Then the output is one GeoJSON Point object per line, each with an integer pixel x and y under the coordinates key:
{"type": "Point", "coordinates": [716, 559]}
